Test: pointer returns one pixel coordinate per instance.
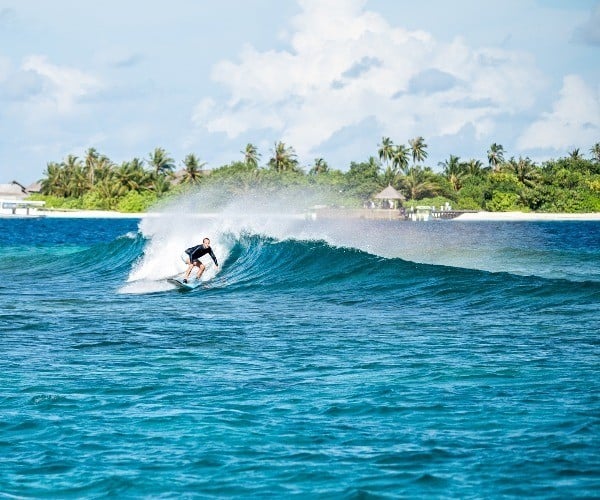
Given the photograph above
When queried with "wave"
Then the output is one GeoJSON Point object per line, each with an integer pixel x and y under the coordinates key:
{"type": "Point", "coordinates": [89, 262]}
{"type": "Point", "coordinates": [266, 241]}
{"type": "Point", "coordinates": [300, 261]}
{"type": "Point", "coordinates": [563, 251]}
{"type": "Point", "coordinates": [314, 269]}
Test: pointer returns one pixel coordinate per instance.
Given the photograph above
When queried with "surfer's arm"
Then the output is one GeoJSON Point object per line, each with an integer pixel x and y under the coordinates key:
{"type": "Point", "coordinates": [213, 256]}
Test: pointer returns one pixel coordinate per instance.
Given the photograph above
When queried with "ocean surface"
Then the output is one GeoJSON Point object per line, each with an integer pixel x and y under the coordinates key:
{"type": "Point", "coordinates": [331, 359]}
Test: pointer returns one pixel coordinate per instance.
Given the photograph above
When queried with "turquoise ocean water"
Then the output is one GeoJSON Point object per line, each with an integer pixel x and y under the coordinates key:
{"type": "Point", "coordinates": [324, 359]}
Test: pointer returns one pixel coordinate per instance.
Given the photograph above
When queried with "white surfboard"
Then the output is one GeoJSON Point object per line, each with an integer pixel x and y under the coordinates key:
{"type": "Point", "coordinates": [190, 285]}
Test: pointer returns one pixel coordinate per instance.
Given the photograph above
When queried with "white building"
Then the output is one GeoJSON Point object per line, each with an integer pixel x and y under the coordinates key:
{"type": "Point", "coordinates": [13, 203]}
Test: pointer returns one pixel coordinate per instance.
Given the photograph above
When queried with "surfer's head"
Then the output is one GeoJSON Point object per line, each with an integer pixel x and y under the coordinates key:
{"type": "Point", "coordinates": [206, 242]}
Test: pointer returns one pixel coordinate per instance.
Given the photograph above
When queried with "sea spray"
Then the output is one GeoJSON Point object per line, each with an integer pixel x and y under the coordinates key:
{"type": "Point", "coordinates": [186, 220]}
{"type": "Point", "coordinates": [282, 214]}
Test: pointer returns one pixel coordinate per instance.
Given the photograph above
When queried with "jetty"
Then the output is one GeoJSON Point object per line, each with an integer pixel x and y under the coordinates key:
{"type": "Point", "coordinates": [418, 214]}
{"type": "Point", "coordinates": [387, 205]}
{"type": "Point", "coordinates": [13, 201]}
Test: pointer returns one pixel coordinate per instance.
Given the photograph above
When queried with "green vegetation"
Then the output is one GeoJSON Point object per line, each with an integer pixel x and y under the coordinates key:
{"type": "Point", "coordinates": [569, 184]}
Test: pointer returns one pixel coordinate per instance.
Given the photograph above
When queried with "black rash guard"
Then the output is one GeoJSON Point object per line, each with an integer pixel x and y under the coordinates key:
{"type": "Point", "coordinates": [198, 251]}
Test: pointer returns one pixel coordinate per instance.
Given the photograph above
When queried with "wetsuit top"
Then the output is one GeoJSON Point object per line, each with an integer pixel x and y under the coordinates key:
{"type": "Point", "coordinates": [198, 251]}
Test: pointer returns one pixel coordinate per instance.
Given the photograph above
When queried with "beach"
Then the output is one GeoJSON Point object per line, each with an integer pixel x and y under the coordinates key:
{"type": "Point", "coordinates": [88, 214]}
{"type": "Point", "coordinates": [526, 216]}
{"type": "Point", "coordinates": [468, 216]}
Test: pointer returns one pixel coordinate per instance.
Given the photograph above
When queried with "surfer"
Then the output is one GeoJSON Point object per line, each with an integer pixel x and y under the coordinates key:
{"type": "Point", "coordinates": [193, 260]}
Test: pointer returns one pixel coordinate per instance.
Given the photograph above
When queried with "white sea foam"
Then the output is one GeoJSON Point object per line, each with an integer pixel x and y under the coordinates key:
{"type": "Point", "coordinates": [281, 215]}
{"type": "Point", "coordinates": [185, 221]}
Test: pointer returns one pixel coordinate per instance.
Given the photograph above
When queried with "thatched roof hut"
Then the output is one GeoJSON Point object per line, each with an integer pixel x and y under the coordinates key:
{"type": "Point", "coordinates": [11, 191]}
{"type": "Point", "coordinates": [390, 194]}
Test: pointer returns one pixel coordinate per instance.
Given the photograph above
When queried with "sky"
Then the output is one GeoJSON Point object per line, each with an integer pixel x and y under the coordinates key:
{"type": "Point", "coordinates": [330, 78]}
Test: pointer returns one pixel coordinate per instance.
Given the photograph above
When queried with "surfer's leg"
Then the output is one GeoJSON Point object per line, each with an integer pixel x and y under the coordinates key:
{"type": "Point", "coordinates": [200, 270]}
{"type": "Point", "coordinates": [188, 271]}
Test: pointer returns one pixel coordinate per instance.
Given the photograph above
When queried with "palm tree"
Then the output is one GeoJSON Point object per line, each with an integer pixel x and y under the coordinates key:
{"type": "Point", "coordinates": [284, 158]}
{"type": "Point", "coordinates": [109, 191]}
{"type": "Point", "coordinates": [161, 162]}
{"type": "Point", "coordinates": [400, 158]}
{"type": "Point", "coordinates": [320, 167]}
{"type": "Point", "coordinates": [474, 168]}
{"type": "Point", "coordinates": [71, 162]}
{"type": "Point", "coordinates": [53, 179]}
{"type": "Point", "coordinates": [524, 169]}
{"type": "Point", "coordinates": [103, 168]}
{"type": "Point", "coordinates": [495, 155]}
{"type": "Point", "coordinates": [246, 181]}
{"type": "Point", "coordinates": [127, 178]}
{"type": "Point", "coordinates": [386, 149]}
{"type": "Point", "coordinates": [137, 164]}
{"type": "Point", "coordinates": [418, 148]}
{"type": "Point", "coordinates": [390, 176]}
{"type": "Point", "coordinates": [454, 171]}
{"type": "Point", "coordinates": [193, 169]}
{"type": "Point", "coordinates": [575, 154]}
{"type": "Point", "coordinates": [159, 184]}
{"type": "Point", "coordinates": [251, 155]}
{"type": "Point", "coordinates": [417, 183]}
{"type": "Point", "coordinates": [75, 178]}
{"type": "Point", "coordinates": [91, 158]}
{"type": "Point", "coordinates": [142, 177]}
{"type": "Point", "coordinates": [595, 150]}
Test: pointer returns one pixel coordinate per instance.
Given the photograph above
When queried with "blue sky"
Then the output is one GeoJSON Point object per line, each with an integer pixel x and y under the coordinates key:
{"type": "Point", "coordinates": [328, 77]}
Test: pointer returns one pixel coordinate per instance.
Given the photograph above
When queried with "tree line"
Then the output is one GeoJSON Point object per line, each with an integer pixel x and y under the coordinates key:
{"type": "Point", "coordinates": [567, 184]}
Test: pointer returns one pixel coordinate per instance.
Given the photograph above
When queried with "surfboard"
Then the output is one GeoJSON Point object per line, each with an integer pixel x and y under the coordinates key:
{"type": "Point", "coordinates": [190, 285]}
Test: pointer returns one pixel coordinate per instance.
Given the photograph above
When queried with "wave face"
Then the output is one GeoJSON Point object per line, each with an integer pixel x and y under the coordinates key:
{"type": "Point", "coordinates": [323, 358]}
{"type": "Point", "coordinates": [565, 250]}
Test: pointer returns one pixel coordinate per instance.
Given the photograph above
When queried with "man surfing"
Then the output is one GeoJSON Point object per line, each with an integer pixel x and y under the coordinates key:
{"type": "Point", "coordinates": [193, 258]}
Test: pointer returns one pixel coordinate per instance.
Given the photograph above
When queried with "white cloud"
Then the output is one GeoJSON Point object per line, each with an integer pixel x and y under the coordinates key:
{"type": "Point", "coordinates": [202, 110]}
{"type": "Point", "coordinates": [63, 86]}
{"type": "Point", "coordinates": [118, 57]}
{"type": "Point", "coordinates": [573, 121]}
{"type": "Point", "coordinates": [589, 32]}
{"type": "Point", "coordinates": [321, 84]}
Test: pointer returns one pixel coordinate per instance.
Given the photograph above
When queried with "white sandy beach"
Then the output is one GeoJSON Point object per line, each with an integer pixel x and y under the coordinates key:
{"type": "Point", "coordinates": [470, 216]}
{"type": "Point", "coordinates": [88, 214]}
{"type": "Point", "coordinates": [526, 216]}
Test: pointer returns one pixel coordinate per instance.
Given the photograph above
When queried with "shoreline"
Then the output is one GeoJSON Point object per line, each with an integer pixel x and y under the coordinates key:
{"type": "Point", "coordinates": [526, 216]}
{"type": "Point", "coordinates": [465, 217]}
{"type": "Point", "coordinates": [88, 214]}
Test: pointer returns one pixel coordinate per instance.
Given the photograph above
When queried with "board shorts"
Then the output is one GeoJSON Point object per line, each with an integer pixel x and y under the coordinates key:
{"type": "Point", "coordinates": [185, 257]}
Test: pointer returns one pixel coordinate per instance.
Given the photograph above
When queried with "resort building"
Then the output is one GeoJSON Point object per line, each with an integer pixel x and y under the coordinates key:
{"type": "Point", "coordinates": [13, 200]}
